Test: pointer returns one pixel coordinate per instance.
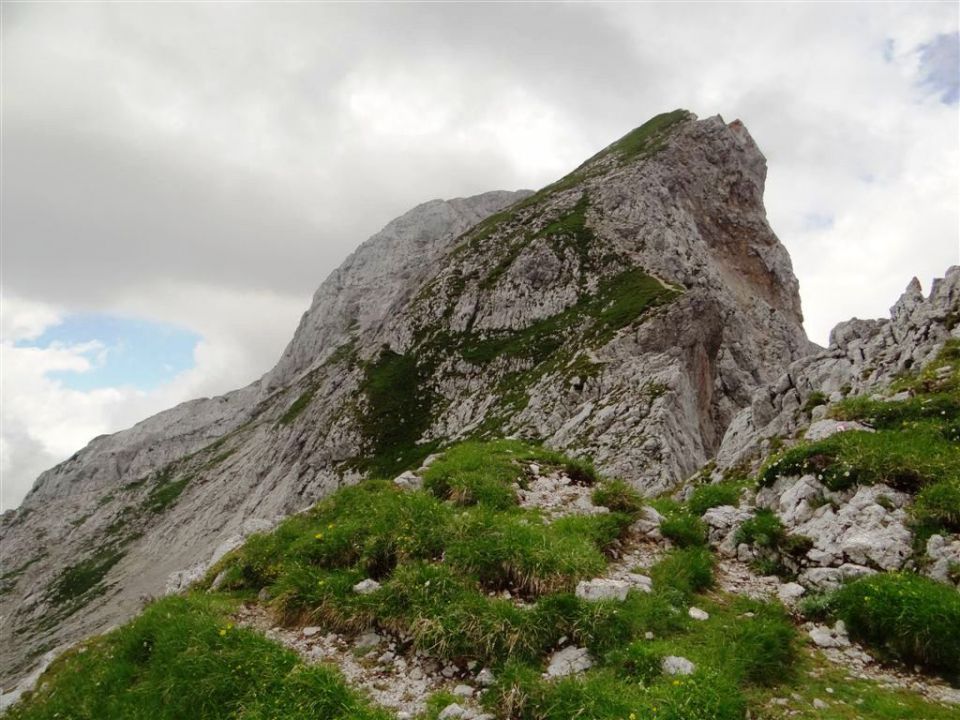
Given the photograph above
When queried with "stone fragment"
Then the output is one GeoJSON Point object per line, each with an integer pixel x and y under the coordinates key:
{"type": "Point", "coordinates": [486, 677]}
{"type": "Point", "coordinates": [790, 592]}
{"type": "Point", "coordinates": [825, 637]}
{"type": "Point", "coordinates": [822, 429]}
{"type": "Point", "coordinates": [453, 711]}
{"type": "Point", "coordinates": [602, 589]}
{"type": "Point", "coordinates": [569, 661]}
{"type": "Point", "coordinates": [408, 481]}
{"type": "Point", "coordinates": [643, 583]}
{"type": "Point", "coordinates": [648, 524]}
{"type": "Point", "coordinates": [676, 665]}
{"type": "Point", "coordinates": [698, 614]}
{"type": "Point", "coordinates": [369, 639]}
{"type": "Point", "coordinates": [365, 587]}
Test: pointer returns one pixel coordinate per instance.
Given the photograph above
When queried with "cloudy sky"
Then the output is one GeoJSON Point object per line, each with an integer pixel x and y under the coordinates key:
{"type": "Point", "coordinates": [178, 178]}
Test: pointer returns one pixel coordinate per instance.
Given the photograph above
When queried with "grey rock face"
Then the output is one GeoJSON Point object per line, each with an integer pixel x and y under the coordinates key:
{"type": "Point", "coordinates": [863, 355]}
{"type": "Point", "coordinates": [649, 397]}
{"type": "Point", "coordinates": [384, 271]}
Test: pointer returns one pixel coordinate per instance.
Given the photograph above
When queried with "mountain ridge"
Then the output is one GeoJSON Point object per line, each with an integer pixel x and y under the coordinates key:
{"type": "Point", "coordinates": [543, 319]}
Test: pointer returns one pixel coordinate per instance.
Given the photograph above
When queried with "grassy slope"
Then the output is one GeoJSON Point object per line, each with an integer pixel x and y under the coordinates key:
{"type": "Point", "coordinates": [442, 556]}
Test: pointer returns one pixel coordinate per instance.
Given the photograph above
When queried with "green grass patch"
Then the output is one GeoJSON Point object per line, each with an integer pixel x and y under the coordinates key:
{"type": "Point", "coordinates": [83, 579]}
{"type": "Point", "coordinates": [520, 554]}
{"type": "Point", "coordinates": [684, 529]}
{"type": "Point", "coordinates": [619, 301]}
{"type": "Point", "coordinates": [906, 617]}
{"type": "Point", "coordinates": [439, 561]}
{"type": "Point", "coordinates": [906, 459]}
{"type": "Point", "coordinates": [165, 494]}
{"type": "Point", "coordinates": [686, 570]}
{"type": "Point", "coordinates": [899, 414]}
{"type": "Point", "coordinates": [297, 407]}
{"type": "Point", "coordinates": [476, 472]}
{"type": "Point", "coordinates": [181, 658]}
{"type": "Point", "coordinates": [619, 496]}
{"type": "Point", "coordinates": [396, 413]}
{"type": "Point", "coordinates": [937, 506]}
{"type": "Point", "coordinates": [939, 376]}
{"type": "Point", "coordinates": [649, 138]}
{"type": "Point", "coordinates": [764, 530]}
{"type": "Point", "coordinates": [815, 399]}
{"type": "Point", "coordinates": [714, 495]}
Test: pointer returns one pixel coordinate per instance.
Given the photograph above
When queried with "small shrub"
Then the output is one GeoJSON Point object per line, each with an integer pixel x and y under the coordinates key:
{"type": "Point", "coordinates": [619, 496]}
{"type": "Point", "coordinates": [907, 617]}
{"type": "Point", "coordinates": [714, 495]}
{"type": "Point", "coordinates": [684, 530]}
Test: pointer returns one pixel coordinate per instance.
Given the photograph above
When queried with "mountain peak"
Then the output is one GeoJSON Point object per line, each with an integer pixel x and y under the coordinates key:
{"type": "Point", "coordinates": [626, 312]}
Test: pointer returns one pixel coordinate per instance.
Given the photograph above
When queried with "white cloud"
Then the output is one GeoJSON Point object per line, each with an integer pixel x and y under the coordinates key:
{"type": "Point", "coordinates": [43, 422]}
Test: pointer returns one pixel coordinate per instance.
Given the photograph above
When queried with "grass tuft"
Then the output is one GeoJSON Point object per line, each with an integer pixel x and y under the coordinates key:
{"type": "Point", "coordinates": [714, 495]}
{"type": "Point", "coordinates": [686, 570]}
{"type": "Point", "coordinates": [619, 496]}
{"type": "Point", "coordinates": [906, 617]}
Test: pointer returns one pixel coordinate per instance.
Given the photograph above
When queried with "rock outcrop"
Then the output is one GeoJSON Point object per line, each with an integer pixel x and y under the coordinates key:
{"type": "Point", "coordinates": [864, 355]}
{"type": "Point", "coordinates": [627, 312]}
{"type": "Point", "coordinates": [834, 535]}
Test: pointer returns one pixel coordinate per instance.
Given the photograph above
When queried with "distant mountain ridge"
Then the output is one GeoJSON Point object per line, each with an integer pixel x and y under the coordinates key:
{"type": "Point", "coordinates": [627, 312]}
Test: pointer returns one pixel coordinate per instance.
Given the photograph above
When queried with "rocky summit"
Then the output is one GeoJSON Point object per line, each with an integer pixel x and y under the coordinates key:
{"type": "Point", "coordinates": [608, 381]}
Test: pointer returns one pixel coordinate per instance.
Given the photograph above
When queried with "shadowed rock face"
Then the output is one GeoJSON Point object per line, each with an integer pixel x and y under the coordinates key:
{"type": "Point", "coordinates": [627, 312]}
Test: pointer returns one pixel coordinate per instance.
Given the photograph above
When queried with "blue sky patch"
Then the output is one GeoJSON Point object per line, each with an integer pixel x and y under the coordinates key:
{"type": "Point", "coordinates": [940, 67]}
{"type": "Point", "coordinates": [815, 222]}
{"type": "Point", "coordinates": [128, 352]}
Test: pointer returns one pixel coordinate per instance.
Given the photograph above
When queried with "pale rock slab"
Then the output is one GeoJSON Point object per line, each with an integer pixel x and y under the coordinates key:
{"type": "Point", "coordinates": [602, 589]}
{"type": "Point", "coordinates": [569, 661]}
{"type": "Point", "coordinates": [676, 665]}
{"type": "Point", "coordinates": [365, 587]}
